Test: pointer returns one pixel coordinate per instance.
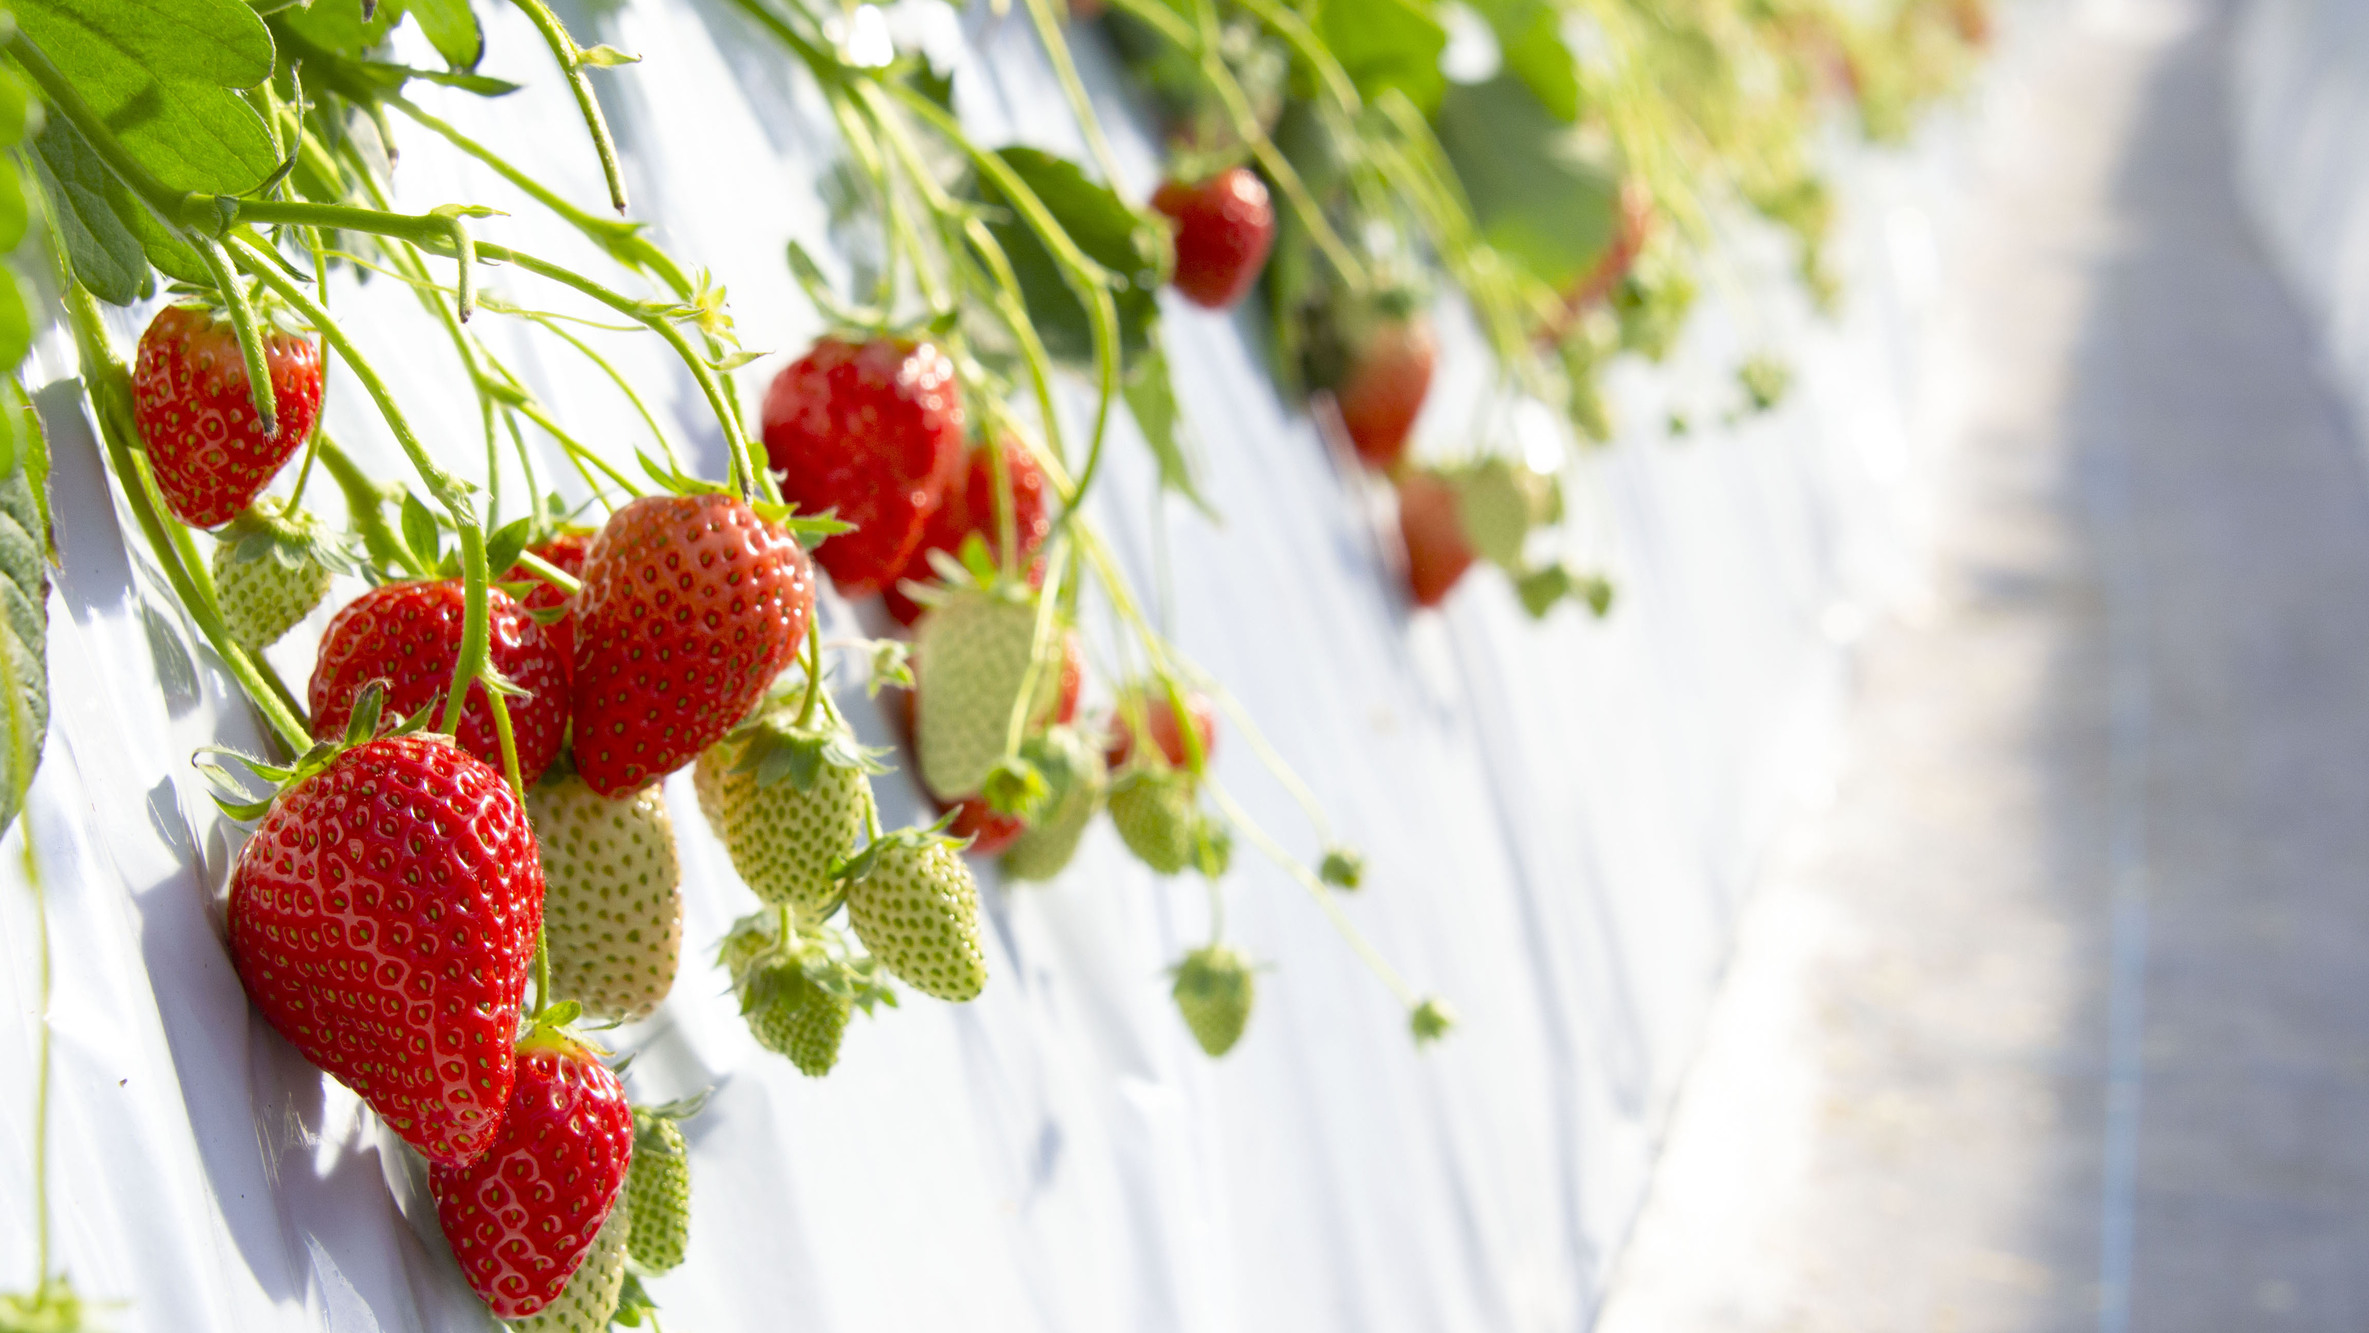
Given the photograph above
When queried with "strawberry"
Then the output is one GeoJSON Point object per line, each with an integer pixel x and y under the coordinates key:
{"type": "Point", "coordinates": [971, 508]}
{"type": "Point", "coordinates": [691, 605]}
{"type": "Point", "coordinates": [564, 551]}
{"type": "Point", "coordinates": [383, 919]}
{"type": "Point", "coordinates": [586, 1303]}
{"type": "Point", "coordinates": [1159, 719]}
{"type": "Point", "coordinates": [1224, 227]}
{"type": "Point", "coordinates": [191, 404]}
{"type": "Point", "coordinates": [658, 1186]}
{"type": "Point", "coordinates": [1429, 521]}
{"type": "Point", "coordinates": [1383, 392]}
{"type": "Point", "coordinates": [1077, 780]}
{"type": "Point", "coordinates": [1632, 225]}
{"type": "Point", "coordinates": [988, 829]}
{"type": "Point", "coordinates": [913, 903]}
{"type": "Point", "coordinates": [873, 431]}
{"type": "Point", "coordinates": [792, 1014]}
{"type": "Point", "coordinates": [972, 655]}
{"type": "Point", "coordinates": [788, 802]}
{"type": "Point", "coordinates": [1153, 810]}
{"type": "Point", "coordinates": [1214, 987]}
{"type": "Point", "coordinates": [408, 635]}
{"type": "Point", "coordinates": [612, 896]}
{"type": "Point", "coordinates": [270, 572]}
{"type": "Point", "coordinates": [527, 1212]}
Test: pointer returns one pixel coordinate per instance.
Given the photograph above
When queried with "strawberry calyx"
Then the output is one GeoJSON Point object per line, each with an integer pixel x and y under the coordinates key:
{"type": "Point", "coordinates": [859, 864]}
{"type": "Point", "coordinates": [1342, 868]}
{"type": "Point", "coordinates": [1430, 1019]}
{"type": "Point", "coordinates": [774, 745]}
{"type": "Point", "coordinates": [233, 797]}
{"type": "Point", "coordinates": [272, 529]}
{"type": "Point", "coordinates": [766, 954]}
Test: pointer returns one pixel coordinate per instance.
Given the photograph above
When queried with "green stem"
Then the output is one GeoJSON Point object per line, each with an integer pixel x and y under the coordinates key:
{"type": "Point", "coordinates": [814, 670]}
{"type": "Point", "coordinates": [1325, 897]}
{"type": "Point", "coordinates": [571, 64]}
{"type": "Point", "coordinates": [623, 240]}
{"type": "Point", "coordinates": [1065, 69]}
{"type": "Point", "coordinates": [249, 331]}
{"type": "Point", "coordinates": [550, 573]}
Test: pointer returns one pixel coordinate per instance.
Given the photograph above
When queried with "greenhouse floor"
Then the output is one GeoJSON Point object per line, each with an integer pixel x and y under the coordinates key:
{"type": "Point", "coordinates": [2057, 1017]}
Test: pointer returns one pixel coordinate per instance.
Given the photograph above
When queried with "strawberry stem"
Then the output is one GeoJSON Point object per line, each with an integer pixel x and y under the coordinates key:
{"type": "Point", "coordinates": [571, 65]}
{"type": "Point", "coordinates": [814, 670]}
{"type": "Point", "coordinates": [250, 333]}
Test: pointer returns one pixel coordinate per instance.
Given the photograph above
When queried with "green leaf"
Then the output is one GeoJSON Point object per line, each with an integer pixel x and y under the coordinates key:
{"type": "Point", "coordinates": [1543, 199]}
{"type": "Point", "coordinates": [338, 25]}
{"type": "Point", "coordinates": [419, 531]}
{"type": "Point", "coordinates": [452, 30]}
{"type": "Point", "coordinates": [19, 113]}
{"type": "Point", "coordinates": [24, 632]}
{"type": "Point", "coordinates": [85, 196]}
{"type": "Point", "coordinates": [159, 73]}
{"type": "Point", "coordinates": [1385, 44]}
{"type": "Point", "coordinates": [502, 549]}
{"type": "Point", "coordinates": [167, 251]}
{"type": "Point", "coordinates": [1530, 42]}
{"type": "Point", "coordinates": [1130, 245]}
{"type": "Point", "coordinates": [13, 211]}
{"type": "Point", "coordinates": [16, 329]}
{"type": "Point", "coordinates": [1151, 400]}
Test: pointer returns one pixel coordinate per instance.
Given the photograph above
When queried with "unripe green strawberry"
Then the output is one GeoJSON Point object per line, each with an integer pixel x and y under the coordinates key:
{"type": "Point", "coordinates": [1213, 991]}
{"type": "Point", "coordinates": [788, 803]}
{"type": "Point", "coordinates": [585, 1304]}
{"type": "Point", "coordinates": [913, 904]}
{"type": "Point", "coordinates": [1074, 771]}
{"type": "Point", "coordinates": [1153, 810]}
{"type": "Point", "coordinates": [269, 572]}
{"type": "Point", "coordinates": [612, 897]}
{"type": "Point", "coordinates": [792, 1014]}
{"type": "Point", "coordinates": [971, 656]}
{"type": "Point", "coordinates": [1500, 502]}
{"type": "Point", "coordinates": [658, 1191]}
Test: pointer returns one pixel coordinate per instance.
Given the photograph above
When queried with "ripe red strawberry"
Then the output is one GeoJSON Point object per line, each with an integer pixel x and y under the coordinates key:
{"type": "Point", "coordinates": [1380, 397]}
{"type": "Point", "coordinates": [874, 432]}
{"type": "Point", "coordinates": [408, 635]}
{"type": "Point", "coordinates": [192, 406]}
{"type": "Point", "coordinates": [1224, 227]}
{"type": "Point", "coordinates": [691, 606]}
{"type": "Point", "coordinates": [383, 919]}
{"type": "Point", "coordinates": [1159, 718]}
{"type": "Point", "coordinates": [524, 1215]}
{"type": "Point", "coordinates": [989, 830]}
{"type": "Point", "coordinates": [971, 508]}
{"type": "Point", "coordinates": [567, 552]}
{"type": "Point", "coordinates": [1430, 521]}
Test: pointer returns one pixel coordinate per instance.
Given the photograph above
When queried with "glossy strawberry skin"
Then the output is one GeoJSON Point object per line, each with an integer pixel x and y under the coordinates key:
{"type": "Point", "coordinates": [1159, 717]}
{"type": "Point", "coordinates": [383, 919]}
{"type": "Point", "coordinates": [971, 508]}
{"type": "Point", "coordinates": [522, 1216]}
{"type": "Point", "coordinates": [565, 552]}
{"type": "Point", "coordinates": [191, 404]}
{"type": "Point", "coordinates": [1438, 552]}
{"type": "Point", "coordinates": [1225, 225]}
{"type": "Point", "coordinates": [1384, 390]}
{"type": "Point", "coordinates": [990, 832]}
{"type": "Point", "coordinates": [691, 606]}
{"type": "Point", "coordinates": [408, 635]}
{"type": "Point", "coordinates": [873, 431]}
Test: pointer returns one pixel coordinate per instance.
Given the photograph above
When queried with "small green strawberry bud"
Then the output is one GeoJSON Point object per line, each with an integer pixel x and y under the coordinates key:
{"type": "Point", "coordinates": [1430, 1019]}
{"type": "Point", "coordinates": [1214, 988]}
{"type": "Point", "coordinates": [1342, 868]}
{"type": "Point", "coordinates": [1542, 589]}
{"type": "Point", "coordinates": [1213, 848]}
{"type": "Point", "coordinates": [1074, 770]}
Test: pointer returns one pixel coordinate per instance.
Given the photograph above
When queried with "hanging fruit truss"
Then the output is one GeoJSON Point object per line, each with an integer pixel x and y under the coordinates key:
{"type": "Point", "coordinates": [462, 862]}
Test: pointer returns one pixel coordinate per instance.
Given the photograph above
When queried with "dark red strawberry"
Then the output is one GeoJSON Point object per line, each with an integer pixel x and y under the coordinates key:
{"type": "Point", "coordinates": [691, 606]}
{"type": "Point", "coordinates": [989, 831]}
{"type": "Point", "coordinates": [1432, 524]}
{"type": "Point", "coordinates": [191, 404]}
{"type": "Point", "coordinates": [874, 432]}
{"type": "Point", "coordinates": [1159, 718]}
{"type": "Point", "coordinates": [1380, 397]}
{"type": "Point", "coordinates": [971, 508]}
{"type": "Point", "coordinates": [565, 551]}
{"type": "Point", "coordinates": [383, 919]}
{"type": "Point", "coordinates": [1224, 227]}
{"type": "Point", "coordinates": [523, 1215]}
{"type": "Point", "coordinates": [408, 636]}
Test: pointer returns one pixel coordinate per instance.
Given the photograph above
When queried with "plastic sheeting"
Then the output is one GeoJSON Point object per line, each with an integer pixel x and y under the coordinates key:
{"type": "Point", "coordinates": [2300, 93]}
{"type": "Point", "coordinates": [1560, 821]}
